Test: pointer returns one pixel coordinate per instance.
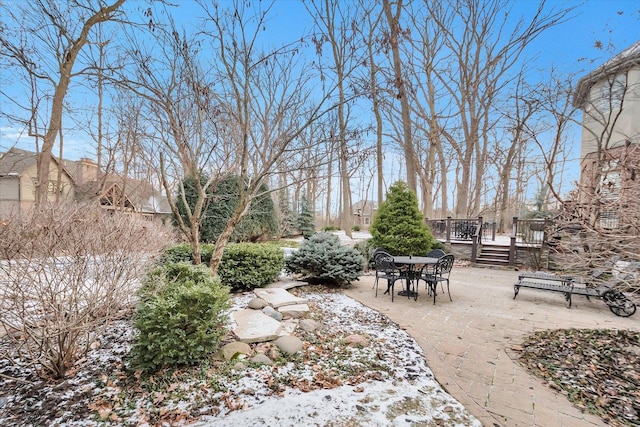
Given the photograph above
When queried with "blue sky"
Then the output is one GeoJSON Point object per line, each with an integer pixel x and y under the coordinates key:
{"type": "Point", "coordinates": [570, 46]}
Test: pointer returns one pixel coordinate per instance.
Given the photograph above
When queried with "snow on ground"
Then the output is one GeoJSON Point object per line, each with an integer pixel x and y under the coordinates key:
{"type": "Point", "coordinates": [386, 383]}
{"type": "Point", "coordinates": [409, 395]}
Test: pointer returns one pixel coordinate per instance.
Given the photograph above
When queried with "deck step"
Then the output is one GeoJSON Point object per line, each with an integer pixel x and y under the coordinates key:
{"type": "Point", "coordinates": [493, 255]}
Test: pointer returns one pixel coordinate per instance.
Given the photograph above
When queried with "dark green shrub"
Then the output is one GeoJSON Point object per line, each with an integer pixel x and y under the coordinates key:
{"type": "Point", "coordinates": [176, 253]}
{"type": "Point", "coordinates": [356, 228]}
{"type": "Point", "coordinates": [330, 228]}
{"type": "Point", "coordinates": [288, 218]}
{"type": "Point", "coordinates": [322, 258]}
{"type": "Point", "coordinates": [399, 225]}
{"type": "Point", "coordinates": [181, 317]}
{"type": "Point", "coordinates": [182, 253]}
{"type": "Point", "coordinates": [250, 265]}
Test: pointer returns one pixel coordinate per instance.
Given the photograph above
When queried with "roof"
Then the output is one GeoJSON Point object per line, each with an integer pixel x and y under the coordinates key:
{"type": "Point", "coordinates": [142, 195]}
{"type": "Point", "coordinates": [15, 162]}
{"type": "Point", "coordinates": [625, 60]}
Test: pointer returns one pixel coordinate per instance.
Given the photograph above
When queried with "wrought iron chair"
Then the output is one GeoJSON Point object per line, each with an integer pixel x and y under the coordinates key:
{"type": "Point", "coordinates": [438, 274]}
{"type": "Point", "coordinates": [436, 253]}
{"type": "Point", "coordinates": [372, 260]}
{"type": "Point", "coordinates": [386, 269]}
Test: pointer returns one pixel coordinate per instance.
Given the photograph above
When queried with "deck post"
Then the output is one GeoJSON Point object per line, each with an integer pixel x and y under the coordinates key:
{"type": "Point", "coordinates": [512, 243]}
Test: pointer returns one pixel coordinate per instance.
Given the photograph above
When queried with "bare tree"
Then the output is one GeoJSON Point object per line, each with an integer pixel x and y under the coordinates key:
{"type": "Point", "coordinates": [519, 115]}
{"type": "Point", "coordinates": [184, 115]}
{"type": "Point", "coordinates": [338, 28]}
{"type": "Point", "coordinates": [480, 58]}
{"type": "Point", "coordinates": [46, 47]}
{"type": "Point", "coordinates": [269, 87]}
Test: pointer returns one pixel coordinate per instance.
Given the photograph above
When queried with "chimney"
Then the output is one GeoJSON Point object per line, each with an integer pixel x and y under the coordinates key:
{"type": "Point", "coordinates": [87, 170]}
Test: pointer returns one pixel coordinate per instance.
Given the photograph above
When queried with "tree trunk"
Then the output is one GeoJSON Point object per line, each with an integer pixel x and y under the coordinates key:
{"type": "Point", "coordinates": [43, 161]}
{"type": "Point", "coordinates": [240, 210]}
{"type": "Point", "coordinates": [399, 83]}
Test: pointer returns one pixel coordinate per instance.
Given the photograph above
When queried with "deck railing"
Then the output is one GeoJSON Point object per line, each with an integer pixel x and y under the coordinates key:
{"type": "Point", "coordinates": [462, 229]}
{"type": "Point", "coordinates": [529, 232]}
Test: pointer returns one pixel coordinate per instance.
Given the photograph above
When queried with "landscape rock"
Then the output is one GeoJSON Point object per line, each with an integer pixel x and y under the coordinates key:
{"type": "Point", "coordinates": [257, 303]}
{"type": "Point", "coordinates": [289, 344]}
{"type": "Point", "coordinates": [356, 340]}
{"type": "Point", "coordinates": [272, 312]}
{"type": "Point", "coordinates": [233, 348]}
{"type": "Point", "coordinates": [309, 325]}
{"type": "Point", "coordinates": [263, 359]}
{"type": "Point", "coordinates": [255, 326]}
{"type": "Point", "coordinates": [295, 310]}
{"type": "Point", "coordinates": [274, 353]}
{"type": "Point", "coordinates": [289, 326]}
{"type": "Point", "coordinates": [277, 297]}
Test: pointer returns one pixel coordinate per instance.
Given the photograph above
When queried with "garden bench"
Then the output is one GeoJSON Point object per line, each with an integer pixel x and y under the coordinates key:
{"type": "Point", "coordinates": [618, 303]}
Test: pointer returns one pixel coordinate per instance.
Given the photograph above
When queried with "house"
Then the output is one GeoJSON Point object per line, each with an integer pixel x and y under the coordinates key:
{"type": "Point", "coordinates": [80, 181]}
{"type": "Point", "coordinates": [609, 97]}
{"type": "Point", "coordinates": [363, 212]}
{"type": "Point", "coordinates": [18, 179]}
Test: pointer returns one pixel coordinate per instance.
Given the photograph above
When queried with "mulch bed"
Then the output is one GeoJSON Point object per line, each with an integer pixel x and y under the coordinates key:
{"type": "Point", "coordinates": [597, 369]}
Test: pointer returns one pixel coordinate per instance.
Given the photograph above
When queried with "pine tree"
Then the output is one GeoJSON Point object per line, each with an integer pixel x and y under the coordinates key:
{"type": "Point", "coordinates": [306, 223]}
{"type": "Point", "coordinates": [287, 218]}
{"type": "Point", "coordinates": [399, 226]}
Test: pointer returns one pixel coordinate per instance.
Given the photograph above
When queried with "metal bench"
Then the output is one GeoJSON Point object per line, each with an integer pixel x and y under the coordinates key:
{"type": "Point", "coordinates": [618, 303]}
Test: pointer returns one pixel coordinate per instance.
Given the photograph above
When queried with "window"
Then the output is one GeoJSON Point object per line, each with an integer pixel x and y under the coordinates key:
{"type": "Point", "coordinates": [52, 187]}
{"type": "Point", "coordinates": [608, 219]}
{"type": "Point", "coordinates": [610, 181]}
{"type": "Point", "coordinates": [608, 94]}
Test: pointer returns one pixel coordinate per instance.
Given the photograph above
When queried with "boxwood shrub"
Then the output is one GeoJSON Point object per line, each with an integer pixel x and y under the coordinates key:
{"type": "Point", "coordinates": [182, 317]}
{"type": "Point", "coordinates": [182, 253]}
{"type": "Point", "coordinates": [246, 266]}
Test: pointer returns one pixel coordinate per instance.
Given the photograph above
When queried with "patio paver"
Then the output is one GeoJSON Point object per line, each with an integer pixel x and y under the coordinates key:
{"type": "Point", "coordinates": [467, 343]}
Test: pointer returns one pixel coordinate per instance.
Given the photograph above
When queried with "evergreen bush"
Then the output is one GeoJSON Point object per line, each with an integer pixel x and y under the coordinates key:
{"type": "Point", "coordinates": [399, 226]}
{"type": "Point", "coordinates": [322, 259]}
{"type": "Point", "coordinates": [181, 317]}
{"type": "Point", "coordinates": [182, 253]}
{"type": "Point", "coordinates": [250, 265]}
{"type": "Point", "coordinates": [223, 198]}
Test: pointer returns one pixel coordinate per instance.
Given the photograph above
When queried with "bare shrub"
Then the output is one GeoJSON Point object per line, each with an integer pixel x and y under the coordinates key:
{"type": "Point", "coordinates": [67, 271]}
{"type": "Point", "coordinates": [603, 249]}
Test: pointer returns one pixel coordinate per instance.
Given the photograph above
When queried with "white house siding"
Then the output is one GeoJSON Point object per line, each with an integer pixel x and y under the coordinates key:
{"type": "Point", "coordinates": [9, 195]}
{"type": "Point", "coordinates": [627, 125]}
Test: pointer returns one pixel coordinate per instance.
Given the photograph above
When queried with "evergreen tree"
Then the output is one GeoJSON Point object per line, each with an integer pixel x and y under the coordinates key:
{"type": "Point", "coordinates": [288, 219]}
{"type": "Point", "coordinates": [399, 226]}
{"type": "Point", "coordinates": [306, 223]}
{"type": "Point", "coordinates": [191, 195]}
{"type": "Point", "coordinates": [222, 200]}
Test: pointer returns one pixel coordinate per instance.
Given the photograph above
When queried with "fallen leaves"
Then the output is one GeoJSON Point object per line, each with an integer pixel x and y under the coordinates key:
{"type": "Point", "coordinates": [597, 369]}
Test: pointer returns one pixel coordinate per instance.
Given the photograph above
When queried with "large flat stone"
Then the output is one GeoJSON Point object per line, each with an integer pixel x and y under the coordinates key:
{"type": "Point", "coordinates": [255, 326]}
{"type": "Point", "coordinates": [295, 310]}
{"type": "Point", "coordinates": [277, 297]}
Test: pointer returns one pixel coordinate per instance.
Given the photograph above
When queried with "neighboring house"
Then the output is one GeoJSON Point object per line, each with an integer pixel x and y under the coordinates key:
{"type": "Point", "coordinates": [609, 97]}
{"type": "Point", "coordinates": [18, 179]}
{"type": "Point", "coordinates": [81, 182]}
{"type": "Point", "coordinates": [363, 213]}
